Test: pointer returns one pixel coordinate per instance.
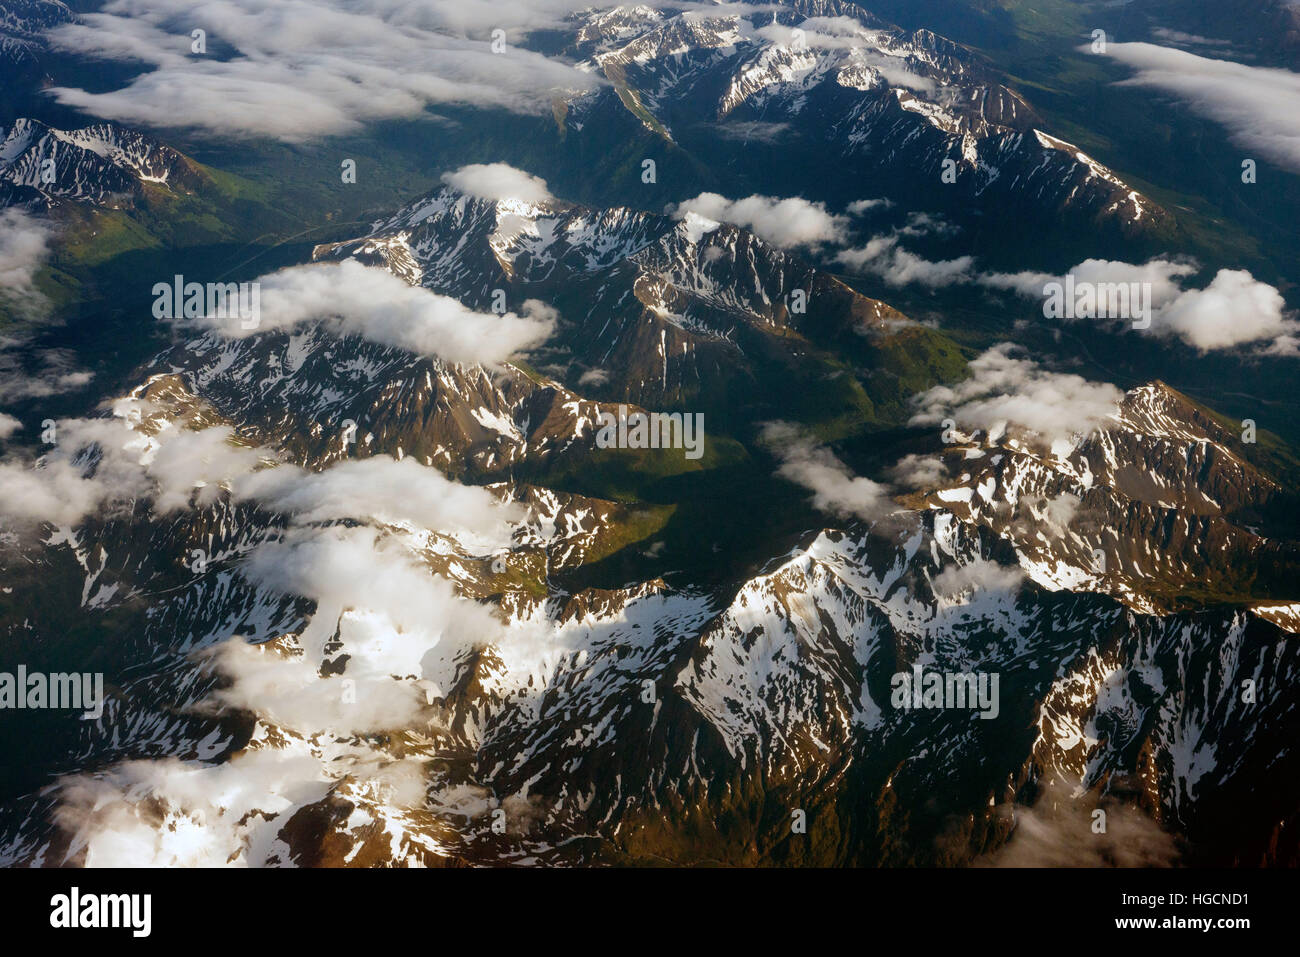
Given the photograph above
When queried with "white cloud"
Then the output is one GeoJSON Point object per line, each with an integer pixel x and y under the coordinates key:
{"type": "Point", "coordinates": [172, 813]}
{"type": "Point", "coordinates": [1004, 391]}
{"type": "Point", "coordinates": [383, 489]}
{"type": "Point", "coordinates": [385, 635]}
{"type": "Point", "coordinates": [926, 224]}
{"type": "Point", "coordinates": [899, 267]}
{"type": "Point", "coordinates": [918, 471]}
{"type": "Point", "coordinates": [176, 466]}
{"type": "Point", "coordinates": [1163, 275]}
{"type": "Point", "coordinates": [8, 426]}
{"type": "Point", "coordinates": [16, 385]}
{"type": "Point", "coordinates": [167, 468]}
{"type": "Point", "coordinates": [1233, 310]}
{"type": "Point", "coordinates": [306, 68]}
{"type": "Point", "coordinates": [59, 490]}
{"type": "Point", "coordinates": [183, 460]}
{"type": "Point", "coordinates": [24, 247]}
{"type": "Point", "coordinates": [788, 223]}
{"type": "Point", "coordinates": [835, 488]}
{"type": "Point", "coordinates": [1259, 106]}
{"type": "Point", "coordinates": [376, 603]}
{"type": "Point", "coordinates": [349, 298]}
{"type": "Point", "coordinates": [958, 581]}
{"type": "Point", "coordinates": [860, 207]}
{"type": "Point", "coordinates": [496, 181]}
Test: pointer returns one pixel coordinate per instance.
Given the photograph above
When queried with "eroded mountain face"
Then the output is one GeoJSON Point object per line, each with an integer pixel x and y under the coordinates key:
{"type": "Point", "coordinates": [463, 697]}
{"type": "Point", "coordinates": [328, 655]}
{"type": "Point", "coordinates": [656, 311]}
{"type": "Point", "coordinates": [859, 100]}
{"type": "Point", "coordinates": [104, 164]}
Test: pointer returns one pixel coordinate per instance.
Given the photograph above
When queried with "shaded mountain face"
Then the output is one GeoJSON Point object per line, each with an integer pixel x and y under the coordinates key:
{"type": "Point", "coordinates": [919, 117]}
{"type": "Point", "coordinates": [358, 605]}
{"type": "Point", "coordinates": [104, 164]}
{"type": "Point", "coordinates": [688, 314]}
{"type": "Point", "coordinates": [22, 25]}
{"type": "Point", "coordinates": [524, 715]}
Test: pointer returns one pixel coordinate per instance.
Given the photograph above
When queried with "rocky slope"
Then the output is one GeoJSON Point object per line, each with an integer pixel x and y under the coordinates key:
{"type": "Point", "coordinates": [302, 672]}
{"type": "Point", "coordinates": [923, 118]}
{"type": "Point", "coordinates": [104, 165]}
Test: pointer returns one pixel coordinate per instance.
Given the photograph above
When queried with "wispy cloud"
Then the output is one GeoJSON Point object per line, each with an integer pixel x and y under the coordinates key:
{"type": "Point", "coordinates": [349, 298]}
{"type": "Point", "coordinates": [1259, 106]}
{"type": "Point", "coordinates": [789, 222]}
{"type": "Point", "coordinates": [1006, 391]}
{"type": "Point", "coordinates": [884, 257]}
{"type": "Point", "coordinates": [836, 490]}
{"type": "Point", "coordinates": [300, 69]}
{"type": "Point", "coordinates": [24, 248]}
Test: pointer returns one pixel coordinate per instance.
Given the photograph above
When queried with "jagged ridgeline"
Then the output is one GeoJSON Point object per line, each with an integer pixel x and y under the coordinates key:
{"type": "Point", "coordinates": [683, 654]}
{"type": "Point", "coordinates": [357, 603]}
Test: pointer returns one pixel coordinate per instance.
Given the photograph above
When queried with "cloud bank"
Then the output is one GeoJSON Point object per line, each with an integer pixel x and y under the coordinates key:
{"type": "Point", "coordinates": [300, 69]}
{"type": "Point", "coordinates": [1235, 309]}
{"type": "Point", "coordinates": [1259, 106]}
{"type": "Point", "coordinates": [788, 223]}
{"type": "Point", "coordinates": [349, 298]}
{"type": "Point", "coordinates": [1006, 391]}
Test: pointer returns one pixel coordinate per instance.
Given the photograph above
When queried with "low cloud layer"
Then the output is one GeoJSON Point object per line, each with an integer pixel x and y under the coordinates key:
{"type": "Point", "coordinates": [1259, 106]}
{"type": "Point", "coordinates": [31, 372]}
{"type": "Point", "coordinates": [836, 490]}
{"type": "Point", "coordinates": [298, 69]}
{"type": "Point", "coordinates": [1005, 391]}
{"type": "Point", "coordinates": [386, 490]}
{"type": "Point", "coordinates": [884, 257]}
{"type": "Point", "coordinates": [1235, 309]}
{"type": "Point", "coordinates": [349, 298]}
{"type": "Point", "coordinates": [1064, 831]}
{"type": "Point", "coordinates": [103, 466]}
{"type": "Point", "coordinates": [496, 181]}
{"type": "Point", "coordinates": [789, 223]}
{"type": "Point", "coordinates": [377, 646]}
{"type": "Point", "coordinates": [175, 468]}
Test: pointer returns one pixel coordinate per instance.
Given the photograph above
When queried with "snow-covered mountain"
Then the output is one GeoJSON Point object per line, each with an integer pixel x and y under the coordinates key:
{"type": "Point", "coordinates": [22, 25]}
{"type": "Point", "coordinates": [1145, 509]}
{"type": "Point", "coordinates": [654, 310]}
{"type": "Point", "coordinates": [910, 111]}
{"type": "Point", "coordinates": [104, 164]}
{"type": "Point", "coordinates": [329, 667]}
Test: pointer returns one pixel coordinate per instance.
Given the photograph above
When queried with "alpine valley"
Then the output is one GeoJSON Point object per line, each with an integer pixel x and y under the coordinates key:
{"type": "Point", "coordinates": [365, 589]}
